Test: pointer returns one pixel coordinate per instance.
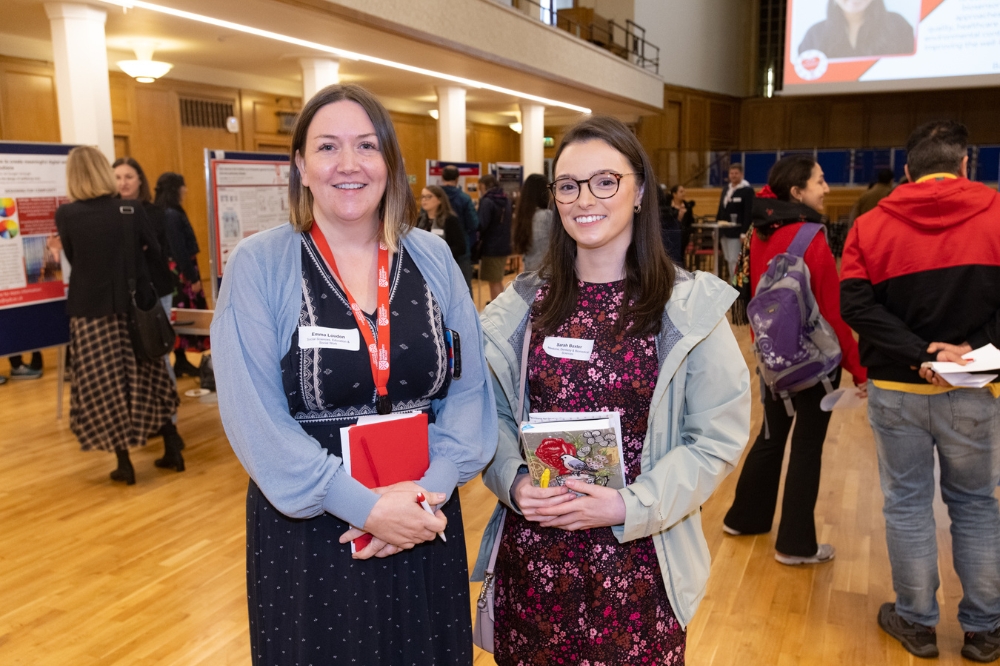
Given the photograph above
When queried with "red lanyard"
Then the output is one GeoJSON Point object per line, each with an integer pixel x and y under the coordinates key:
{"type": "Point", "coordinates": [378, 355]}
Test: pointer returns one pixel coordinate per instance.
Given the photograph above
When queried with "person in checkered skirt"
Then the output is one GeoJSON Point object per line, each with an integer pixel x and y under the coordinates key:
{"type": "Point", "coordinates": [117, 401]}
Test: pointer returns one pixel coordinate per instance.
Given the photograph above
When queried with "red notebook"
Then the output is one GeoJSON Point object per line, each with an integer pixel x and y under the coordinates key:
{"type": "Point", "coordinates": [383, 450]}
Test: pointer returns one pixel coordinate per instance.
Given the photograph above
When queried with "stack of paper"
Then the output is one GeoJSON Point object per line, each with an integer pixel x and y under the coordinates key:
{"type": "Point", "coordinates": [981, 360]}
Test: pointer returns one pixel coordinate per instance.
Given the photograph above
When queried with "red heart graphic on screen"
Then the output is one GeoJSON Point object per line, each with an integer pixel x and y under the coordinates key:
{"type": "Point", "coordinates": [810, 63]}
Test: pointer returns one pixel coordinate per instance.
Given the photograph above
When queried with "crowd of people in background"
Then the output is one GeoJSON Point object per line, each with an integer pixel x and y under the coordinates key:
{"type": "Point", "coordinates": [603, 248]}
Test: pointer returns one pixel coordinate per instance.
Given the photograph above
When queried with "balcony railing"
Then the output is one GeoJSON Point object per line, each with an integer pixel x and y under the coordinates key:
{"type": "Point", "coordinates": [625, 41]}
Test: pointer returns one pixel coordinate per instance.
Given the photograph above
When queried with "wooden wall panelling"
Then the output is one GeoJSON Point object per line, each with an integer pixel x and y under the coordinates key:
{"type": "Point", "coordinates": [155, 136]}
{"type": "Point", "coordinates": [890, 124]}
{"type": "Point", "coordinates": [806, 125]}
{"type": "Point", "coordinates": [417, 137]}
{"type": "Point", "coordinates": [28, 106]}
{"type": "Point", "coordinates": [492, 143]}
{"type": "Point", "coordinates": [260, 122]}
{"type": "Point", "coordinates": [723, 123]}
{"type": "Point", "coordinates": [763, 125]}
{"type": "Point", "coordinates": [846, 127]}
{"type": "Point", "coordinates": [979, 112]}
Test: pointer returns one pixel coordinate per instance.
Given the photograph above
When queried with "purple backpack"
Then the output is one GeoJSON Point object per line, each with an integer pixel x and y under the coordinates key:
{"type": "Point", "coordinates": [796, 347]}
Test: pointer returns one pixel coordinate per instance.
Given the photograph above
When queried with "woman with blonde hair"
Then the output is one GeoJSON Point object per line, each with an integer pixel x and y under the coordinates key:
{"type": "Point", "coordinates": [117, 400]}
{"type": "Point", "coordinates": [350, 265]}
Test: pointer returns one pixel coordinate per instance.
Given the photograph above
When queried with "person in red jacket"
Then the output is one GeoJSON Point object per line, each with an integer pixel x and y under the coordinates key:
{"type": "Point", "coordinates": [921, 283]}
{"type": "Point", "coordinates": [797, 185]}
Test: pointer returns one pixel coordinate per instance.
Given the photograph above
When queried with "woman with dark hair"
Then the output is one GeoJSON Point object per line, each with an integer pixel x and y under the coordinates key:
{"type": "Point", "coordinates": [132, 185]}
{"type": "Point", "coordinates": [532, 221]}
{"type": "Point", "coordinates": [794, 197]}
{"type": "Point", "coordinates": [619, 573]}
{"type": "Point", "coordinates": [437, 217]}
{"type": "Point", "coordinates": [859, 29]}
{"type": "Point", "coordinates": [117, 400]}
{"type": "Point", "coordinates": [188, 292]}
{"type": "Point", "coordinates": [302, 331]}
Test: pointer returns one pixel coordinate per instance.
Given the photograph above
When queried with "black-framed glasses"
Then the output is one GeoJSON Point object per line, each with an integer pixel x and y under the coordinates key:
{"type": "Point", "coordinates": [602, 185]}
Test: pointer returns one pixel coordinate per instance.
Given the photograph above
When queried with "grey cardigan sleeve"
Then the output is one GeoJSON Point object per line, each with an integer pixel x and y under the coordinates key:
{"type": "Point", "coordinates": [293, 471]}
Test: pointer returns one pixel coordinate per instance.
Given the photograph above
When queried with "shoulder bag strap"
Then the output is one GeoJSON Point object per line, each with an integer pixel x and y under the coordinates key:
{"type": "Point", "coordinates": [130, 232]}
{"type": "Point", "coordinates": [803, 237]}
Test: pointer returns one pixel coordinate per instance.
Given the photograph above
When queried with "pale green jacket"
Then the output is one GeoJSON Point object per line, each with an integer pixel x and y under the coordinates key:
{"type": "Point", "coordinates": [699, 424]}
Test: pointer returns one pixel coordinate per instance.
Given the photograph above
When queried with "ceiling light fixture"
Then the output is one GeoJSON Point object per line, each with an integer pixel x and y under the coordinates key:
{"type": "Point", "coordinates": [516, 127]}
{"type": "Point", "coordinates": [144, 69]}
{"type": "Point", "coordinates": [130, 4]}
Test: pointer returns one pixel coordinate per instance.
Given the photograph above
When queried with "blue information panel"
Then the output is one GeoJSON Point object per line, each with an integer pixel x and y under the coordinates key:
{"type": "Point", "coordinates": [757, 165]}
{"type": "Point", "coordinates": [836, 166]}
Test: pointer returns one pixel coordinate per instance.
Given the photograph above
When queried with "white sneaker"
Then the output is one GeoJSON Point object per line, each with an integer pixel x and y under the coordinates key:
{"type": "Point", "coordinates": [730, 531]}
{"type": "Point", "coordinates": [824, 553]}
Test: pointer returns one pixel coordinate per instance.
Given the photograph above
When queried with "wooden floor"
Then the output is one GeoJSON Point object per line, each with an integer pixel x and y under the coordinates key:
{"type": "Point", "coordinates": [93, 572]}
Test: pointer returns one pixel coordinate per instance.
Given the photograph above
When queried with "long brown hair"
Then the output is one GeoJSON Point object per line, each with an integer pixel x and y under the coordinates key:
{"type": "Point", "coordinates": [397, 210]}
{"type": "Point", "coordinates": [534, 196]}
{"type": "Point", "coordinates": [649, 273]}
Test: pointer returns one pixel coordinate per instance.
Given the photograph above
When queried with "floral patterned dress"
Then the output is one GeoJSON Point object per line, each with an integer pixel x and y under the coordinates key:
{"type": "Point", "coordinates": [582, 597]}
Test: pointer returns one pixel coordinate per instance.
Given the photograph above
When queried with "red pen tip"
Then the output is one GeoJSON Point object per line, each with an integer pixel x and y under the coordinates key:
{"type": "Point", "coordinates": [420, 497]}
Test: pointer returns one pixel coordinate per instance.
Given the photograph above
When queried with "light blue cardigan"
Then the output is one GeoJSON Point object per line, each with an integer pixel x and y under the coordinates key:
{"type": "Point", "coordinates": [699, 423]}
{"type": "Point", "coordinates": [256, 314]}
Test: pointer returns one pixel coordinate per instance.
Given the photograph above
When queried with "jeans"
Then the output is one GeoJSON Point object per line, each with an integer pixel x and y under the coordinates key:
{"type": "Point", "coordinates": [756, 497]}
{"type": "Point", "coordinates": [964, 427]}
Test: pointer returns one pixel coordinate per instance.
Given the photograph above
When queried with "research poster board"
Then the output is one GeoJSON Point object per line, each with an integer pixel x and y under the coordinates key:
{"type": "Point", "coordinates": [894, 45]}
{"type": "Point", "coordinates": [33, 271]}
{"type": "Point", "coordinates": [247, 193]}
{"type": "Point", "coordinates": [468, 174]}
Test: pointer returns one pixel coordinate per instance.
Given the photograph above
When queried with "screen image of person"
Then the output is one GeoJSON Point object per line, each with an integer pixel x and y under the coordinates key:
{"type": "Point", "coordinates": [859, 29]}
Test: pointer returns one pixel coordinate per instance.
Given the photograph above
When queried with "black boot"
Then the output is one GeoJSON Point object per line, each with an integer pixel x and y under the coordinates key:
{"type": "Point", "coordinates": [172, 445]}
{"type": "Point", "coordinates": [125, 472]}
{"type": "Point", "coordinates": [182, 366]}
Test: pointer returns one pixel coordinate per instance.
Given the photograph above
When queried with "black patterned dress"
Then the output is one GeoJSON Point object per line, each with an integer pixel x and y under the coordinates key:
{"type": "Point", "coordinates": [309, 601]}
{"type": "Point", "coordinates": [581, 597]}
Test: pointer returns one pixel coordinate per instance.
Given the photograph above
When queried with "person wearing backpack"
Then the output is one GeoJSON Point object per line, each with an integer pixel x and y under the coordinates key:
{"type": "Point", "coordinates": [790, 204]}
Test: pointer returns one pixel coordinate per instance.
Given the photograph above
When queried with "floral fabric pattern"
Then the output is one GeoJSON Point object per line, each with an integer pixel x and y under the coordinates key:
{"type": "Point", "coordinates": [581, 597]}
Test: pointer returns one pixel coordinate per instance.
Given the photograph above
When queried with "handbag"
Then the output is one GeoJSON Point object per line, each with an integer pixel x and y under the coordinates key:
{"type": "Point", "coordinates": [482, 633]}
{"type": "Point", "coordinates": [149, 329]}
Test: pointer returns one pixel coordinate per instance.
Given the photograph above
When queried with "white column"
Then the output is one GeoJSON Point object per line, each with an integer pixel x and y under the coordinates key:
{"type": "Point", "coordinates": [533, 138]}
{"type": "Point", "coordinates": [451, 123]}
{"type": "Point", "coordinates": [318, 73]}
{"type": "Point", "coordinates": [81, 64]}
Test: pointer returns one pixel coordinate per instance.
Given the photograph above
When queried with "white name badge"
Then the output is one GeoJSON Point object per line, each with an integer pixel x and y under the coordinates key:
{"type": "Point", "coordinates": [572, 348]}
{"type": "Point", "coordinates": [319, 337]}
{"type": "Point", "coordinates": [438, 232]}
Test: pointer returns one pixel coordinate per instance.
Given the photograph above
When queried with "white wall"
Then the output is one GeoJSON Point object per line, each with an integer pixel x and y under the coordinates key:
{"type": "Point", "coordinates": [704, 44]}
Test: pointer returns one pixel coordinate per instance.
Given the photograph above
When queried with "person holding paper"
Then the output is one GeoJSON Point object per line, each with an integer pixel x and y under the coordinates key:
{"type": "Point", "coordinates": [921, 283]}
{"type": "Point", "coordinates": [302, 349]}
{"type": "Point", "coordinates": [614, 327]}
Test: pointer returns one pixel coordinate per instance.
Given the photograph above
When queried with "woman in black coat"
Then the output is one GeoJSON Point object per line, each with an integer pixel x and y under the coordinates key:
{"type": "Point", "coordinates": [170, 191]}
{"type": "Point", "coordinates": [132, 185]}
{"type": "Point", "coordinates": [117, 401]}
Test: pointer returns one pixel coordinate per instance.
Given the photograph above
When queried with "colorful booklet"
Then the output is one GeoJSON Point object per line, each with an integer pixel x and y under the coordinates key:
{"type": "Point", "coordinates": [583, 446]}
{"type": "Point", "coordinates": [383, 450]}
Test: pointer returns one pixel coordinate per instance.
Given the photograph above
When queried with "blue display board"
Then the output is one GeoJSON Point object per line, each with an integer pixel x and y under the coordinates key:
{"type": "Point", "coordinates": [32, 184]}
